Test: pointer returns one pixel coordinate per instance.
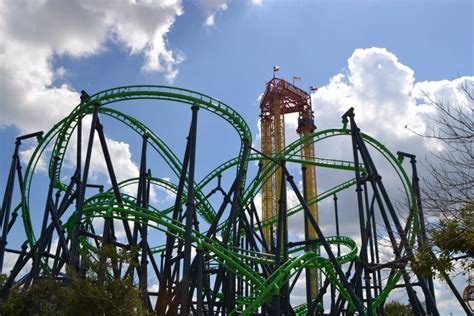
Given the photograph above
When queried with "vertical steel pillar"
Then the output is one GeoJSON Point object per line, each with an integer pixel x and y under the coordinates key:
{"type": "Point", "coordinates": [333, 289]}
{"type": "Point", "coordinates": [363, 231]}
{"type": "Point", "coordinates": [422, 238]}
{"type": "Point", "coordinates": [190, 209]}
{"type": "Point", "coordinates": [74, 255]}
{"type": "Point", "coordinates": [144, 188]}
{"type": "Point", "coordinates": [7, 198]}
{"type": "Point", "coordinates": [281, 300]}
{"type": "Point", "coordinates": [7, 202]}
{"type": "Point", "coordinates": [326, 245]}
{"type": "Point", "coordinates": [165, 290]}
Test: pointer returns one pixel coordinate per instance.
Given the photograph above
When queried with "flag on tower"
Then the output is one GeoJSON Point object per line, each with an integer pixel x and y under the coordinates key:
{"type": "Point", "coordinates": [276, 68]}
{"type": "Point", "coordinates": [313, 88]}
{"type": "Point", "coordinates": [296, 78]}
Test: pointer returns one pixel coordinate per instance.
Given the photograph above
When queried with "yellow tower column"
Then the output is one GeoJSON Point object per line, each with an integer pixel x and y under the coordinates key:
{"type": "Point", "coordinates": [311, 191]}
{"type": "Point", "coordinates": [267, 190]}
{"type": "Point", "coordinates": [306, 127]}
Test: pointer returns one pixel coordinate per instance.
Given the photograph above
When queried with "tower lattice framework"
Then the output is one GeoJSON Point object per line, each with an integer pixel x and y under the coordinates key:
{"type": "Point", "coordinates": [280, 98]}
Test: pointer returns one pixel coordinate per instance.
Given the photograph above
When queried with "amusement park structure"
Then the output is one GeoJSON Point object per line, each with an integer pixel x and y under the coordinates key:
{"type": "Point", "coordinates": [282, 98]}
{"type": "Point", "coordinates": [211, 254]}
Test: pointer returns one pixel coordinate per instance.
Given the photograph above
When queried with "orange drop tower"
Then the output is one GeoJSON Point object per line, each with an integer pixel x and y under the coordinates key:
{"type": "Point", "coordinates": [280, 98]}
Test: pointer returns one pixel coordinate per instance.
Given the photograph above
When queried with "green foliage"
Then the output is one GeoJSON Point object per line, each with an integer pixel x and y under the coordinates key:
{"type": "Point", "coordinates": [453, 237]}
{"type": "Point", "coordinates": [97, 294]}
{"type": "Point", "coordinates": [395, 308]}
{"type": "Point", "coordinates": [75, 297]}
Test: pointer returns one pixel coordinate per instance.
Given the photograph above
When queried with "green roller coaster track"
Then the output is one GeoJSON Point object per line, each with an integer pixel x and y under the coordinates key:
{"type": "Point", "coordinates": [104, 204]}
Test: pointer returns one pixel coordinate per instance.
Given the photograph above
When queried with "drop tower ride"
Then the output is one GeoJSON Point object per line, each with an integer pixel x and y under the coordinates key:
{"type": "Point", "coordinates": [280, 98]}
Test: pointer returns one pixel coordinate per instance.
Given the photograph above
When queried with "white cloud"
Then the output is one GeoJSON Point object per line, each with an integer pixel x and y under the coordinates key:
{"type": "Point", "coordinates": [32, 33]}
{"type": "Point", "coordinates": [25, 156]}
{"type": "Point", "coordinates": [212, 7]}
{"type": "Point", "coordinates": [379, 88]}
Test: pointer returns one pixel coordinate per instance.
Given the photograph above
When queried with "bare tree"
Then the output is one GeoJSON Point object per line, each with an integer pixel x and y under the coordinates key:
{"type": "Point", "coordinates": [451, 184]}
{"type": "Point", "coordinates": [448, 188]}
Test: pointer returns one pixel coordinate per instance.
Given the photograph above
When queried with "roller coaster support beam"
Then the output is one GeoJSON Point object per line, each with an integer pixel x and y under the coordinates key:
{"type": "Point", "coordinates": [165, 290]}
{"type": "Point", "coordinates": [412, 297]}
{"type": "Point", "coordinates": [363, 228]}
{"type": "Point", "coordinates": [314, 306]}
{"type": "Point", "coordinates": [190, 213]}
{"type": "Point", "coordinates": [372, 238]}
{"type": "Point", "coordinates": [375, 180]}
{"type": "Point", "coordinates": [340, 299]}
{"type": "Point", "coordinates": [308, 280]}
{"type": "Point", "coordinates": [45, 239]}
{"type": "Point", "coordinates": [281, 250]}
{"type": "Point", "coordinates": [325, 244]}
{"type": "Point", "coordinates": [223, 276]}
{"type": "Point", "coordinates": [68, 199]}
{"type": "Point", "coordinates": [232, 231]}
{"type": "Point", "coordinates": [333, 289]}
{"type": "Point", "coordinates": [109, 231]}
{"type": "Point", "coordinates": [422, 238]}
{"type": "Point", "coordinates": [113, 178]}
{"type": "Point", "coordinates": [74, 255]}
{"type": "Point", "coordinates": [7, 198]}
{"type": "Point", "coordinates": [265, 245]}
{"type": "Point", "coordinates": [382, 196]}
{"type": "Point", "coordinates": [144, 192]}
{"type": "Point", "coordinates": [211, 234]}
{"type": "Point", "coordinates": [453, 288]}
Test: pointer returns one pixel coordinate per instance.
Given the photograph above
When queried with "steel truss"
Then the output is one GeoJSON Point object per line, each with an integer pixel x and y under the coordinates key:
{"type": "Point", "coordinates": [214, 259]}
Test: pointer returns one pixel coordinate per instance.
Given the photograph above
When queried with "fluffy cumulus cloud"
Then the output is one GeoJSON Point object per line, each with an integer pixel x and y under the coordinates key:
{"type": "Point", "coordinates": [388, 102]}
{"type": "Point", "coordinates": [32, 33]}
{"type": "Point", "coordinates": [384, 94]}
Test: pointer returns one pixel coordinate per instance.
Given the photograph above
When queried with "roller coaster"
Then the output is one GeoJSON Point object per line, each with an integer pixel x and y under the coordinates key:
{"type": "Point", "coordinates": [215, 251]}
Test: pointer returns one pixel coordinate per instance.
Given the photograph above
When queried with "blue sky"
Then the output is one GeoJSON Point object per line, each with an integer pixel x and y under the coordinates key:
{"type": "Point", "coordinates": [375, 55]}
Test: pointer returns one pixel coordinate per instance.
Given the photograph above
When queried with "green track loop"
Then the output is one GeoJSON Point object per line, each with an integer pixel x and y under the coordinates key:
{"type": "Point", "coordinates": [104, 204]}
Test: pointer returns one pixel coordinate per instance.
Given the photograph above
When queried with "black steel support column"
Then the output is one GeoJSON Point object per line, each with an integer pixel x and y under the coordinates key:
{"type": "Point", "coordinates": [190, 209]}
{"type": "Point", "coordinates": [422, 237]}
{"type": "Point", "coordinates": [113, 178]}
{"type": "Point", "coordinates": [281, 300]}
{"type": "Point", "coordinates": [74, 255]}
{"type": "Point", "coordinates": [309, 293]}
{"type": "Point", "coordinates": [142, 199]}
{"type": "Point", "coordinates": [363, 231]}
{"type": "Point", "coordinates": [147, 256]}
{"type": "Point", "coordinates": [333, 288]}
{"type": "Point", "coordinates": [7, 198]}
{"type": "Point", "coordinates": [7, 202]}
{"type": "Point", "coordinates": [326, 245]}
{"type": "Point", "coordinates": [164, 293]}
{"type": "Point", "coordinates": [232, 228]}
{"type": "Point", "coordinates": [382, 195]}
